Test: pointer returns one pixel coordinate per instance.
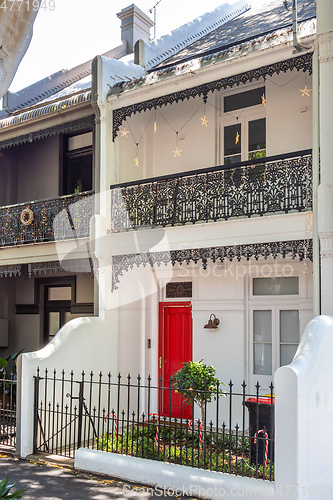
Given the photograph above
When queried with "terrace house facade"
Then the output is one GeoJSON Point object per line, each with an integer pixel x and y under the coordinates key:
{"type": "Point", "coordinates": [209, 161]}
{"type": "Point", "coordinates": [208, 207]}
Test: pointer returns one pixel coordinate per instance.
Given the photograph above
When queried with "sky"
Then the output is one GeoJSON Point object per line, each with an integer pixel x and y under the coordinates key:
{"type": "Point", "coordinates": [70, 32]}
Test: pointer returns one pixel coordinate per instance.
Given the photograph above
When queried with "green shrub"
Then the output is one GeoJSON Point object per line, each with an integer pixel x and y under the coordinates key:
{"type": "Point", "coordinates": [5, 490]}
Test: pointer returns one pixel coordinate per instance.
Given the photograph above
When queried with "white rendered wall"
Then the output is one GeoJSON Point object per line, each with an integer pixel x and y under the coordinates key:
{"type": "Point", "coordinates": [171, 479]}
{"type": "Point", "coordinates": [81, 344]}
{"type": "Point", "coordinates": [304, 415]}
{"type": "Point", "coordinates": [288, 113]}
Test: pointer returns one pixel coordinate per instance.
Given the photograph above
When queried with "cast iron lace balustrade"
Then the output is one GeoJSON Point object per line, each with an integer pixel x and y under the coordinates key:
{"type": "Point", "coordinates": [56, 219]}
{"type": "Point", "coordinates": [254, 188]}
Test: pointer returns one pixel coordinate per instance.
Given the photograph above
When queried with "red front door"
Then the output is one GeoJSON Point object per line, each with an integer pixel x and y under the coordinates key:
{"type": "Point", "coordinates": [175, 348]}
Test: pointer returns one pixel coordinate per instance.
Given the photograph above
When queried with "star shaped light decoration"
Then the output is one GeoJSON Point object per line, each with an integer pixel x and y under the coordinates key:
{"type": "Point", "coordinates": [137, 164]}
{"type": "Point", "coordinates": [237, 138]}
{"type": "Point", "coordinates": [263, 100]}
{"type": "Point", "coordinates": [177, 152]}
{"type": "Point", "coordinates": [124, 133]}
{"type": "Point", "coordinates": [204, 121]}
{"type": "Point", "coordinates": [305, 91]}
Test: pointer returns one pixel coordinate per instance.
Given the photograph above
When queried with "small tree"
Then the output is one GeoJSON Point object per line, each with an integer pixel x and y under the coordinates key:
{"type": "Point", "coordinates": [198, 384]}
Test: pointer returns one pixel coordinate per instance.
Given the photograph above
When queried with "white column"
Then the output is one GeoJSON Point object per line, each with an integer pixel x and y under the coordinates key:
{"type": "Point", "coordinates": [325, 191]}
{"type": "Point", "coordinates": [105, 175]}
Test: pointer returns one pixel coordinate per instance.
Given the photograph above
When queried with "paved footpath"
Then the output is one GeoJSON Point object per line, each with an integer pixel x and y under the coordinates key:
{"type": "Point", "coordinates": [51, 481]}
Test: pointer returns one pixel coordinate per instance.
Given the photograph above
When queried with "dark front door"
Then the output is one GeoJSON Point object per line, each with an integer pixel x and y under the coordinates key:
{"type": "Point", "coordinates": [175, 348]}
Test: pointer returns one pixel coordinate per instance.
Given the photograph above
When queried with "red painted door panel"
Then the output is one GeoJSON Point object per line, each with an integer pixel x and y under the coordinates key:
{"type": "Point", "coordinates": [175, 348]}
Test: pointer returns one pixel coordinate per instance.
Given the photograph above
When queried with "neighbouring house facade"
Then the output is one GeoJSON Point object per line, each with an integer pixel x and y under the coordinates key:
{"type": "Point", "coordinates": [47, 199]}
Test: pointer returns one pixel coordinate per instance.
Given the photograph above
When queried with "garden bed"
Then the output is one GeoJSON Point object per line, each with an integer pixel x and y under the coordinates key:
{"type": "Point", "coordinates": [221, 452]}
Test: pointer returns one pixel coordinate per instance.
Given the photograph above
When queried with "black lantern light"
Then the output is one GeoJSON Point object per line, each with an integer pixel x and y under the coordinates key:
{"type": "Point", "coordinates": [212, 323]}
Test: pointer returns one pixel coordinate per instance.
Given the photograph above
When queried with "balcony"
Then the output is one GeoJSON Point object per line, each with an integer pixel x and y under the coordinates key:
{"type": "Point", "coordinates": [55, 219]}
{"type": "Point", "coordinates": [279, 184]}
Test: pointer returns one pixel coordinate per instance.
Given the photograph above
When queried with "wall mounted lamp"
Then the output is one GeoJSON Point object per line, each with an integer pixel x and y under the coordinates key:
{"type": "Point", "coordinates": [212, 323]}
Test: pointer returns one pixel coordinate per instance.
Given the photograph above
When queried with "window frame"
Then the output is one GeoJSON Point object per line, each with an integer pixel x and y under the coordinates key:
{"type": "Point", "coordinates": [276, 341]}
{"type": "Point", "coordinates": [245, 115]}
{"type": "Point", "coordinates": [68, 155]}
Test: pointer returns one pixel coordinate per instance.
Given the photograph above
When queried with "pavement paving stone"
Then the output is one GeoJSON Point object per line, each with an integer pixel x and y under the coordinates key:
{"type": "Point", "coordinates": [51, 480]}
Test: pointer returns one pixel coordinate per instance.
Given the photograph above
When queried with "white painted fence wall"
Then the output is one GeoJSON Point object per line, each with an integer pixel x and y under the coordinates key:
{"type": "Point", "coordinates": [304, 416]}
{"type": "Point", "coordinates": [81, 344]}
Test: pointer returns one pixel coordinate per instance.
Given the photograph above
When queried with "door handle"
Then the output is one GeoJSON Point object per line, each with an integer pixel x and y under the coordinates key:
{"type": "Point", "coordinates": [160, 361]}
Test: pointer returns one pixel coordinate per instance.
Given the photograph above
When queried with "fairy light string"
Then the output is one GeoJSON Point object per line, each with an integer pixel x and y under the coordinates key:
{"type": "Point", "coordinates": [137, 143]}
{"type": "Point", "coordinates": [204, 121]}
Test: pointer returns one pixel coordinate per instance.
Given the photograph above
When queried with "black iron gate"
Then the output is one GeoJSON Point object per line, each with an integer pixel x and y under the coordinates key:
{"type": "Point", "coordinates": [61, 415]}
{"type": "Point", "coordinates": [8, 386]}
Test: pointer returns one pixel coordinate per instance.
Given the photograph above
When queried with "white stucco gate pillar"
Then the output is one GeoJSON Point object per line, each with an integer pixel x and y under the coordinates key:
{"type": "Point", "coordinates": [304, 416]}
{"type": "Point", "coordinates": [325, 191]}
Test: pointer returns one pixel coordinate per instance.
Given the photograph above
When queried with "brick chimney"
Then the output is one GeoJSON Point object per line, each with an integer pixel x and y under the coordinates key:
{"type": "Point", "coordinates": [135, 25]}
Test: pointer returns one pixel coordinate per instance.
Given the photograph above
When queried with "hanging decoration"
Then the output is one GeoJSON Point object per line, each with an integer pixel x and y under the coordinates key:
{"type": "Point", "coordinates": [124, 132]}
{"type": "Point", "coordinates": [137, 164]}
{"type": "Point", "coordinates": [155, 123]}
{"type": "Point", "coordinates": [305, 91]}
{"type": "Point", "coordinates": [204, 121]}
{"type": "Point", "coordinates": [137, 161]}
{"type": "Point", "coordinates": [177, 151]}
{"type": "Point", "coordinates": [263, 100]}
{"type": "Point", "coordinates": [237, 138]}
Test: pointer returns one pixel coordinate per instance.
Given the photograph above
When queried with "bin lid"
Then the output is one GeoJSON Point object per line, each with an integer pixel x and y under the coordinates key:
{"type": "Point", "coordinates": [262, 400]}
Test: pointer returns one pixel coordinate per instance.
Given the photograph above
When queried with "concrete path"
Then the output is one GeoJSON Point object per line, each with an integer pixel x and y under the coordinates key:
{"type": "Point", "coordinates": [52, 481]}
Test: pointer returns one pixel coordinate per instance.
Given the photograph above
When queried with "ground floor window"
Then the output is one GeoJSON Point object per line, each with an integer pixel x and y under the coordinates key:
{"type": "Point", "coordinates": [275, 338]}
{"type": "Point", "coordinates": [274, 323]}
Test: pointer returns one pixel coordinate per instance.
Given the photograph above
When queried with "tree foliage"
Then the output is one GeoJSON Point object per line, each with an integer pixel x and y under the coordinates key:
{"type": "Point", "coordinates": [198, 384]}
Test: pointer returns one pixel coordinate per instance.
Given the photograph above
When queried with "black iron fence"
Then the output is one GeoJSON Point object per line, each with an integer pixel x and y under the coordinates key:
{"type": "Point", "coordinates": [278, 184]}
{"type": "Point", "coordinates": [233, 432]}
{"type": "Point", "coordinates": [8, 385]}
{"type": "Point", "coordinates": [61, 218]}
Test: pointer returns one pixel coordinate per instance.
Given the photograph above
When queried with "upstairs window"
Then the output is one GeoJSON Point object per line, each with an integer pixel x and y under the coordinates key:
{"type": "Point", "coordinates": [78, 169]}
{"type": "Point", "coordinates": [244, 126]}
{"type": "Point", "coordinates": [232, 144]}
{"type": "Point", "coordinates": [257, 139]}
{"type": "Point", "coordinates": [235, 147]}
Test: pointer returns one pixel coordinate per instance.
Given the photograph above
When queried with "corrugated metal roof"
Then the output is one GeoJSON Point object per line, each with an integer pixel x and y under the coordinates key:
{"type": "Point", "coordinates": [249, 25]}
{"type": "Point", "coordinates": [52, 107]}
{"type": "Point", "coordinates": [79, 86]}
